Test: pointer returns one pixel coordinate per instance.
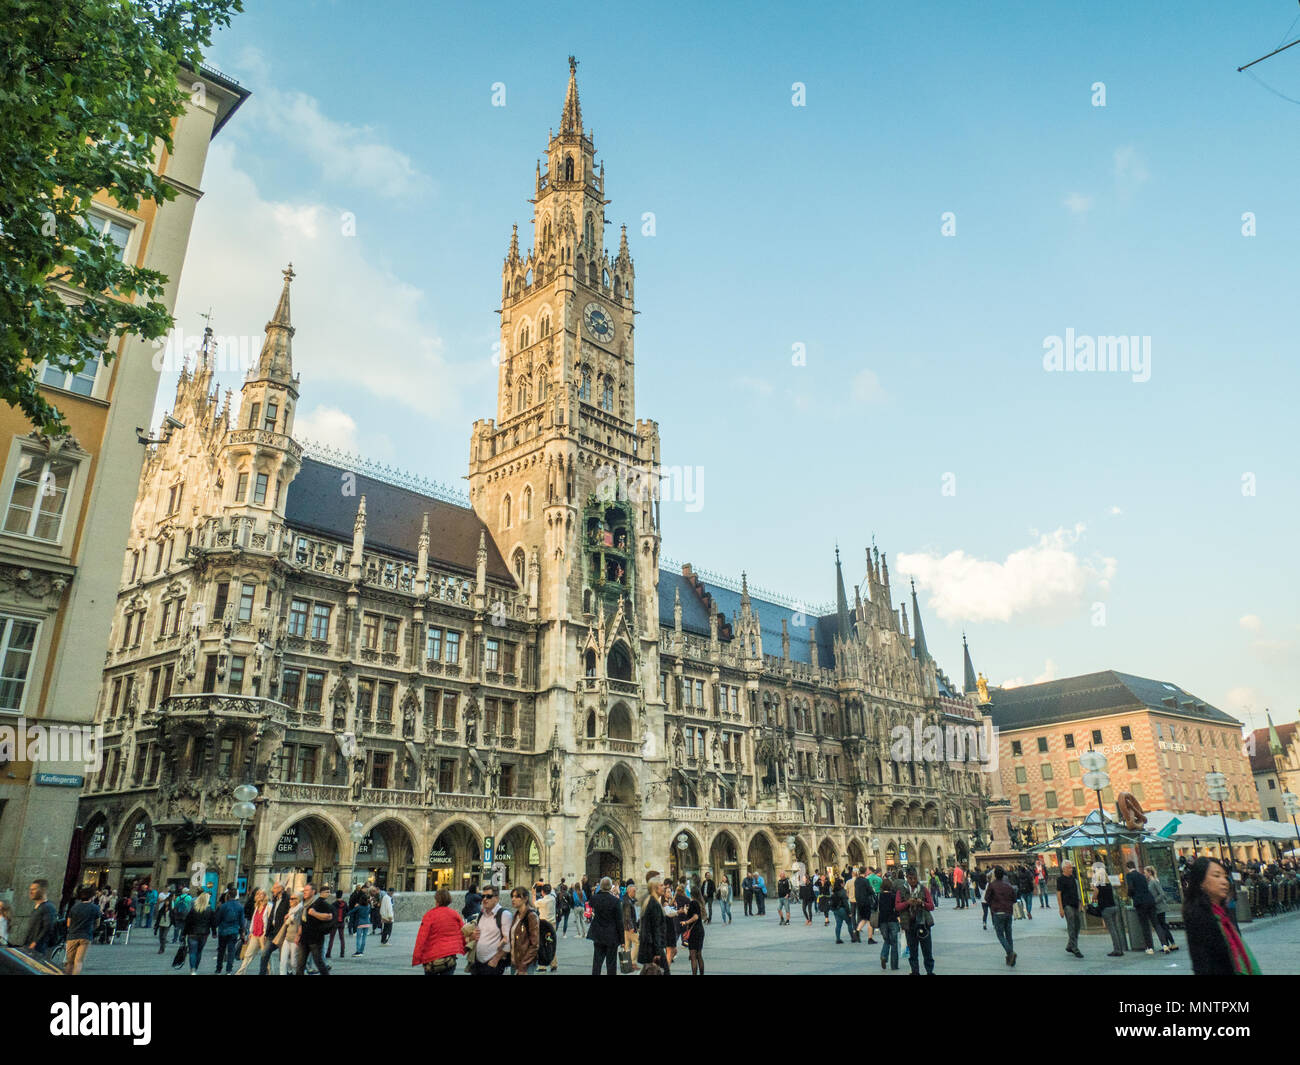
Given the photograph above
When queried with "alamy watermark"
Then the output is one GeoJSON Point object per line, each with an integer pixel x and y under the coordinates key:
{"type": "Point", "coordinates": [951, 743]}
{"type": "Point", "coordinates": [636, 483]}
{"type": "Point", "coordinates": [1079, 353]}
{"type": "Point", "coordinates": [20, 742]}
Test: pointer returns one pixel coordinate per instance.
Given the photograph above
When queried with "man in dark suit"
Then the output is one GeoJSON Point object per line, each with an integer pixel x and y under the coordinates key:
{"type": "Point", "coordinates": [747, 890]}
{"type": "Point", "coordinates": [707, 893]}
{"type": "Point", "coordinates": [1144, 905]}
{"type": "Point", "coordinates": [606, 928]}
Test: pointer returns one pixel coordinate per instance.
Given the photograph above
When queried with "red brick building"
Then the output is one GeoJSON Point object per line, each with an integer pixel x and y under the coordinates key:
{"type": "Point", "coordinates": [1159, 740]}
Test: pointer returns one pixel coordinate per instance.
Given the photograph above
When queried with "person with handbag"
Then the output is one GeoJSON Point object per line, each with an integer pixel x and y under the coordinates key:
{"type": "Point", "coordinates": [525, 933]}
{"type": "Point", "coordinates": [1068, 902]}
{"type": "Point", "coordinates": [258, 944]}
{"type": "Point", "coordinates": [1158, 900]}
{"type": "Point", "coordinates": [440, 940]}
{"type": "Point", "coordinates": [724, 898]}
{"type": "Point", "coordinates": [286, 935]}
{"type": "Point", "coordinates": [1103, 905]}
{"type": "Point", "coordinates": [915, 906]}
{"type": "Point", "coordinates": [276, 911]}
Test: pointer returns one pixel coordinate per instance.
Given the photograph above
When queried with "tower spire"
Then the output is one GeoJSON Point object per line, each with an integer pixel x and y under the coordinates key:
{"type": "Point", "coordinates": [841, 600]}
{"type": "Point", "coordinates": [276, 359]}
{"type": "Point", "coordinates": [968, 680]}
{"type": "Point", "coordinates": [919, 649]}
{"type": "Point", "coordinates": [571, 120]}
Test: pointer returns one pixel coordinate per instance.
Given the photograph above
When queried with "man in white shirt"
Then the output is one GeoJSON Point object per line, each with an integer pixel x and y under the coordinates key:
{"type": "Point", "coordinates": [546, 906]}
{"type": "Point", "coordinates": [385, 916]}
{"type": "Point", "coordinates": [492, 935]}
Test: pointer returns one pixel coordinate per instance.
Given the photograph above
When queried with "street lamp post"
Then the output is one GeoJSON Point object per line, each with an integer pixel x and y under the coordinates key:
{"type": "Point", "coordinates": [244, 808]}
{"type": "Point", "coordinates": [357, 832]}
{"type": "Point", "coordinates": [1096, 778]}
{"type": "Point", "coordinates": [550, 842]}
{"type": "Point", "coordinates": [1216, 786]}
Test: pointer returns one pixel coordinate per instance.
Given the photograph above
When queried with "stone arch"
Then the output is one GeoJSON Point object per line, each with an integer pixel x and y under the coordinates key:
{"type": "Point", "coordinates": [591, 725]}
{"type": "Point", "coordinates": [518, 565]}
{"type": "Point", "coordinates": [725, 859]}
{"type": "Point", "coordinates": [526, 503]}
{"type": "Point", "coordinates": [856, 853]}
{"type": "Point", "coordinates": [620, 785]}
{"type": "Point", "coordinates": [320, 861]}
{"type": "Point", "coordinates": [925, 859]}
{"type": "Point", "coordinates": [760, 856]}
{"type": "Point", "coordinates": [618, 663]}
{"type": "Point", "coordinates": [517, 838]}
{"type": "Point", "coordinates": [827, 854]}
{"type": "Point", "coordinates": [452, 853]}
{"type": "Point", "coordinates": [393, 865]}
{"type": "Point", "coordinates": [619, 724]}
{"type": "Point", "coordinates": [121, 833]}
{"type": "Point", "coordinates": [614, 860]}
{"type": "Point", "coordinates": [688, 862]}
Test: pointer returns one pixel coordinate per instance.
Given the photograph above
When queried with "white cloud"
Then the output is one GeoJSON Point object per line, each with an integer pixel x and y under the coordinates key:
{"type": "Point", "coordinates": [359, 327]}
{"type": "Point", "coordinates": [1244, 699]}
{"type": "Point", "coordinates": [1251, 623]}
{"type": "Point", "coordinates": [1115, 511]}
{"type": "Point", "coordinates": [349, 155]}
{"type": "Point", "coordinates": [1049, 577]}
{"type": "Point", "coordinates": [866, 388]}
{"type": "Point", "coordinates": [1048, 673]}
{"type": "Point", "coordinates": [329, 426]}
{"type": "Point", "coordinates": [1076, 203]}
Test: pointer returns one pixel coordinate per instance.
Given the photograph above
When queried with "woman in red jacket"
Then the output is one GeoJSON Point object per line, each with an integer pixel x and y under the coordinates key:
{"type": "Point", "coordinates": [440, 940]}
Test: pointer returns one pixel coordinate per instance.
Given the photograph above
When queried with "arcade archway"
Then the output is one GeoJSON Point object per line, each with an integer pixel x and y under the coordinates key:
{"type": "Point", "coordinates": [520, 851]}
{"type": "Point", "coordinates": [827, 856]}
{"type": "Point", "coordinates": [856, 855]}
{"type": "Point", "coordinates": [761, 861]}
{"type": "Point", "coordinates": [724, 860]}
{"type": "Point", "coordinates": [454, 859]}
{"type": "Point", "coordinates": [684, 862]}
{"type": "Point", "coordinates": [604, 855]}
{"type": "Point", "coordinates": [386, 857]}
{"type": "Point", "coordinates": [307, 852]}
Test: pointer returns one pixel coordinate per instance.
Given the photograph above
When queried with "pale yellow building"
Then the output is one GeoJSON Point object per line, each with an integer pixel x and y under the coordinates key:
{"type": "Point", "coordinates": [68, 505]}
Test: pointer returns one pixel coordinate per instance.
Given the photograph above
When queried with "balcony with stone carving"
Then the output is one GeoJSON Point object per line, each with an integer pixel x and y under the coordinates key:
{"type": "Point", "coordinates": [226, 707]}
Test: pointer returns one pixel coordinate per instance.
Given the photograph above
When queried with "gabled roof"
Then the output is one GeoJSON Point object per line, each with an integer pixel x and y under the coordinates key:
{"type": "Point", "coordinates": [1262, 760]}
{"type": "Point", "coordinates": [1097, 695]}
{"type": "Point", "coordinates": [316, 504]}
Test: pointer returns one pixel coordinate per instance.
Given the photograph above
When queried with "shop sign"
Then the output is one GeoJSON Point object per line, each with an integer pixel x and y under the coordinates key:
{"type": "Point", "coordinates": [288, 843]}
{"type": "Point", "coordinates": [140, 835]}
{"type": "Point", "coordinates": [1165, 745]}
{"type": "Point", "coordinates": [439, 855]}
{"type": "Point", "coordinates": [534, 858]}
{"type": "Point", "coordinates": [488, 842]}
{"type": "Point", "coordinates": [96, 847]}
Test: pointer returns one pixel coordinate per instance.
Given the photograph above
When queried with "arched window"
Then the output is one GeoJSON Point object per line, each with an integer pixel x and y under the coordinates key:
{"type": "Point", "coordinates": [523, 338]}
{"type": "Point", "coordinates": [604, 278]}
{"type": "Point", "coordinates": [505, 513]}
{"type": "Point", "coordinates": [620, 723]}
{"type": "Point", "coordinates": [521, 396]}
{"type": "Point", "coordinates": [589, 664]}
{"type": "Point", "coordinates": [619, 665]}
{"type": "Point", "coordinates": [541, 387]}
{"type": "Point", "coordinates": [591, 724]}
{"type": "Point", "coordinates": [607, 394]}
{"type": "Point", "coordinates": [545, 329]}
{"type": "Point", "coordinates": [589, 230]}
{"type": "Point", "coordinates": [568, 168]}
{"type": "Point", "coordinates": [528, 503]}
{"type": "Point", "coordinates": [584, 390]}
{"type": "Point", "coordinates": [517, 562]}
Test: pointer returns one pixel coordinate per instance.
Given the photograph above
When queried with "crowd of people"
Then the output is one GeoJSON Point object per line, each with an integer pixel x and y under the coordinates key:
{"type": "Point", "coordinates": [645, 928]}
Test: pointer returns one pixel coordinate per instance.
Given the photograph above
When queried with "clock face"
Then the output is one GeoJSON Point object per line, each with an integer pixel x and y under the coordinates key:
{"type": "Point", "coordinates": [599, 324]}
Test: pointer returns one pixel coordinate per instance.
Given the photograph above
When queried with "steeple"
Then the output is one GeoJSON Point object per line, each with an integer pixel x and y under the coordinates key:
{"type": "Point", "coordinates": [919, 650]}
{"type": "Point", "coordinates": [1274, 740]}
{"type": "Point", "coordinates": [968, 680]}
{"type": "Point", "coordinates": [841, 600]}
{"type": "Point", "coordinates": [276, 360]}
{"type": "Point", "coordinates": [571, 120]}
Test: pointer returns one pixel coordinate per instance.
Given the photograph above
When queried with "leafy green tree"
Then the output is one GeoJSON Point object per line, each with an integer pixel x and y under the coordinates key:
{"type": "Point", "coordinates": [89, 90]}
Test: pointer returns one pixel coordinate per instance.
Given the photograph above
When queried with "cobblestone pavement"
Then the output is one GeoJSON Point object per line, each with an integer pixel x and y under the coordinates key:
{"type": "Point", "coordinates": [760, 945]}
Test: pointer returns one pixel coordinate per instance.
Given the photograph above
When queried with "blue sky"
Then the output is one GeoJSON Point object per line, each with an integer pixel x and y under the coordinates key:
{"type": "Point", "coordinates": [820, 226]}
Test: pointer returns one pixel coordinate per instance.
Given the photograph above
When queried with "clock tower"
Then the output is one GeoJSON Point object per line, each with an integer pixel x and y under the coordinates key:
{"type": "Point", "coordinates": [566, 477]}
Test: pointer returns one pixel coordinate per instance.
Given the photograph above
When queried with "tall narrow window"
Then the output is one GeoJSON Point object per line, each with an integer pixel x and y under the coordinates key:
{"type": "Point", "coordinates": [253, 412]}
{"type": "Point", "coordinates": [272, 415]}
{"type": "Point", "coordinates": [259, 488]}
{"type": "Point", "coordinates": [17, 646]}
{"type": "Point", "coordinates": [39, 497]}
{"type": "Point", "coordinates": [247, 592]}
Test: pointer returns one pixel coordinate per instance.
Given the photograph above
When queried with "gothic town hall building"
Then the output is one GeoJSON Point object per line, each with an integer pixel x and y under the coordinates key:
{"type": "Point", "coordinates": [403, 676]}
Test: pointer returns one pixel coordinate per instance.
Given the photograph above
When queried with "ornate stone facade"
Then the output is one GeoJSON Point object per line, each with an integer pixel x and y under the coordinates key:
{"type": "Point", "coordinates": [402, 676]}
